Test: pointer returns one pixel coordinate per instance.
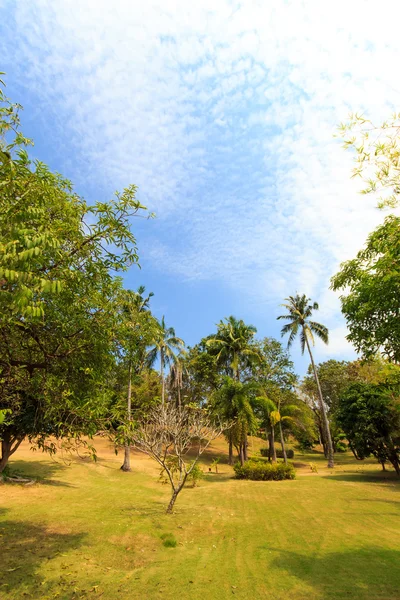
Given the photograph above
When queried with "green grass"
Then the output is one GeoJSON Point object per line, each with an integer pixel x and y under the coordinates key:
{"type": "Point", "coordinates": [92, 531]}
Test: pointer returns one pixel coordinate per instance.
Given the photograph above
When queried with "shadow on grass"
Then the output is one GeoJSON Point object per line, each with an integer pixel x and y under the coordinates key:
{"type": "Point", "coordinates": [24, 547]}
{"type": "Point", "coordinates": [362, 477]}
{"type": "Point", "coordinates": [42, 471]}
{"type": "Point", "coordinates": [370, 573]}
{"type": "Point", "coordinates": [218, 476]}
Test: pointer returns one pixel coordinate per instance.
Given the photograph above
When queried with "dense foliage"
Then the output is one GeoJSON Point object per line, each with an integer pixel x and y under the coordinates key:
{"type": "Point", "coordinates": [58, 296]}
{"type": "Point", "coordinates": [258, 470]}
{"type": "Point", "coordinates": [371, 302]}
{"type": "Point", "coordinates": [370, 417]}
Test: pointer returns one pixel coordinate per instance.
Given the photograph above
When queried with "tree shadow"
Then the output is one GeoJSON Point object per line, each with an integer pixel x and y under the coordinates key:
{"type": "Point", "coordinates": [369, 573]}
{"type": "Point", "coordinates": [387, 477]}
{"type": "Point", "coordinates": [24, 547]}
{"type": "Point", "coordinates": [42, 471]}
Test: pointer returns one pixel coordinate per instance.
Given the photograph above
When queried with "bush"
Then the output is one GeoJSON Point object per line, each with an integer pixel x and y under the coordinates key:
{"type": "Point", "coordinates": [279, 453]}
{"type": "Point", "coordinates": [195, 475]}
{"type": "Point", "coordinates": [259, 470]}
{"type": "Point", "coordinates": [169, 540]}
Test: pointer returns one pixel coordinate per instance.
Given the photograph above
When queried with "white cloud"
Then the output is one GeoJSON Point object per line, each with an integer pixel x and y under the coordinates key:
{"type": "Point", "coordinates": [223, 114]}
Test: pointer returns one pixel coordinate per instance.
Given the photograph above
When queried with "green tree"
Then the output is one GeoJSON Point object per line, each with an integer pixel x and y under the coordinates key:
{"type": "Point", "coordinates": [164, 347]}
{"type": "Point", "coordinates": [232, 403]}
{"type": "Point", "coordinates": [299, 315]}
{"type": "Point", "coordinates": [377, 155]}
{"type": "Point", "coordinates": [371, 304]}
{"type": "Point", "coordinates": [233, 346]}
{"type": "Point", "coordinates": [58, 292]}
{"type": "Point", "coordinates": [370, 417]}
{"type": "Point", "coordinates": [137, 329]}
{"type": "Point", "coordinates": [271, 414]}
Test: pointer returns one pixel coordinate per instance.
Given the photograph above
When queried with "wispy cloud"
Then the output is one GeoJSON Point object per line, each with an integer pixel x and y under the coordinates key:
{"type": "Point", "coordinates": [223, 113]}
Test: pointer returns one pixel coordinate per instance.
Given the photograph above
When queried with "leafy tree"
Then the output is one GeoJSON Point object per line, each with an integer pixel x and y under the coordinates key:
{"type": "Point", "coordinates": [272, 414]}
{"type": "Point", "coordinates": [232, 403]}
{"type": "Point", "coordinates": [164, 346]}
{"type": "Point", "coordinates": [57, 296]}
{"type": "Point", "coordinates": [377, 155]}
{"type": "Point", "coordinates": [299, 315]}
{"type": "Point", "coordinates": [203, 375]}
{"type": "Point", "coordinates": [233, 346]}
{"type": "Point", "coordinates": [275, 368]}
{"type": "Point", "coordinates": [370, 417]}
{"type": "Point", "coordinates": [371, 304]}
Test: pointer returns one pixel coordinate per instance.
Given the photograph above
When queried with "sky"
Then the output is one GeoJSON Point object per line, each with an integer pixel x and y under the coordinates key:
{"type": "Point", "coordinates": [224, 114]}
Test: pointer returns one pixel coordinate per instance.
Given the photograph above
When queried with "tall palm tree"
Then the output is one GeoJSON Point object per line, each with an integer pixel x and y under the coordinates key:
{"type": "Point", "coordinates": [234, 348]}
{"type": "Point", "coordinates": [232, 402]}
{"type": "Point", "coordinates": [177, 371]}
{"type": "Point", "coordinates": [300, 309]}
{"type": "Point", "coordinates": [232, 345]}
{"type": "Point", "coordinates": [164, 346]}
{"type": "Point", "coordinates": [137, 323]}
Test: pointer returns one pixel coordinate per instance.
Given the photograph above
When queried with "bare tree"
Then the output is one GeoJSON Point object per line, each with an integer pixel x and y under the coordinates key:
{"type": "Point", "coordinates": [169, 433]}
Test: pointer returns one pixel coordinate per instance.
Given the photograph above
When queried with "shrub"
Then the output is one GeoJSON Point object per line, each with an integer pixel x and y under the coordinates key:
{"type": "Point", "coordinates": [279, 453]}
{"type": "Point", "coordinates": [259, 470]}
{"type": "Point", "coordinates": [195, 475]}
{"type": "Point", "coordinates": [169, 540]}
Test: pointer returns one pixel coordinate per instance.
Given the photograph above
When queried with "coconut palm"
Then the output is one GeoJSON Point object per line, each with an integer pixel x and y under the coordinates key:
{"type": "Point", "coordinates": [234, 348]}
{"type": "Point", "coordinates": [164, 346]}
{"type": "Point", "coordinates": [137, 328]}
{"type": "Point", "coordinates": [300, 309]}
{"type": "Point", "coordinates": [177, 371]}
{"type": "Point", "coordinates": [232, 345]}
{"type": "Point", "coordinates": [232, 403]}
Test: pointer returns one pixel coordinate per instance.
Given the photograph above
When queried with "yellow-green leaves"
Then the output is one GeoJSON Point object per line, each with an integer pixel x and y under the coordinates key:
{"type": "Point", "coordinates": [377, 156]}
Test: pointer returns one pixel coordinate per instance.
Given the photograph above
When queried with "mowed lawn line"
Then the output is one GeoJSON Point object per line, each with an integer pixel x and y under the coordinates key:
{"type": "Point", "coordinates": [316, 537]}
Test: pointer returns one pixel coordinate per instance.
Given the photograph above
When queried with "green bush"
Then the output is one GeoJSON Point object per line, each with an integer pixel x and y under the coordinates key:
{"type": "Point", "coordinates": [279, 453]}
{"type": "Point", "coordinates": [259, 470]}
{"type": "Point", "coordinates": [169, 540]}
{"type": "Point", "coordinates": [195, 475]}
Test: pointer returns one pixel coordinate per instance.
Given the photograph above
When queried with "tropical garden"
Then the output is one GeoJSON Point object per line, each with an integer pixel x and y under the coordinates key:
{"type": "Point", "coordinates": [209, 470]}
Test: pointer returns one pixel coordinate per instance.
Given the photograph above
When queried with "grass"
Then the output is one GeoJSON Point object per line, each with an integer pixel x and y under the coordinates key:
{"type": "Point", "coordinates": [91, 531]}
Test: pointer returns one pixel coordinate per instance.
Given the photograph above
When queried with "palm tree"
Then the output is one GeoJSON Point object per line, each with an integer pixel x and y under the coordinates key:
{"type": "Point", "coordinates": [299, 314]}
{"type": "Point", "coordinates": [134, 308]}
{"type": "Point", "coordinates": [163, 347]}
{"type": "Point", "coordinates": [232, 402]}
{"type": "Point", "coordinates": [233, 346]}
{"type": "Point", "coordinates": [178, 369]}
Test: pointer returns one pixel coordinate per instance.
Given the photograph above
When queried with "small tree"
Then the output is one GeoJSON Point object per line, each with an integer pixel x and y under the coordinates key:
{"type": "Point", "coordinates": [168, 434]}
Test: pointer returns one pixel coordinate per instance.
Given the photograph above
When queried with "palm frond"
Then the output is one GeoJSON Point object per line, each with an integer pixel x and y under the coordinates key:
{"type": "Point", "coordinates": [320, 331]}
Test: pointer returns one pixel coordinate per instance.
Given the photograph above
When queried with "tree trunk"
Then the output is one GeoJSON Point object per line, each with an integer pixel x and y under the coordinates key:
{"type": "Point", "coordinates": [241, 455]}
{"type": "Point", "coordinates": [323, 409]}
{"type": "Point", "coordinates": [245, 448]}
{"type": "Point", "coordinates": [230, 459]}
{"type": "Point", "coordinates": [282, 443]}
{"type": "Point", "coordinates": [127, 458]}
{"type": "Point", "coordinates": [273, 449]}
{"type": "Point", "coordinates": [395, 462]}
{"type": "Point", "coordinates": [269, 447]}
{"type": "Point", "coordinates": [7, 449]}
{"type": "Point", "coordinates": [173, 500]}
{"type": "Point", "coordinates": [162, 377]}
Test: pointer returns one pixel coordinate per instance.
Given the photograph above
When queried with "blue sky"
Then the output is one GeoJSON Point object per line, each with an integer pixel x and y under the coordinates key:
{"type": "Point", "coordinates": [223, 114]}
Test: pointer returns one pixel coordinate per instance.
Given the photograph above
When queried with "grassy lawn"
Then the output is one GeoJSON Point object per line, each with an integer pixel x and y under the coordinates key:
{"type": "Point", "coordinates": [90, 531]}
